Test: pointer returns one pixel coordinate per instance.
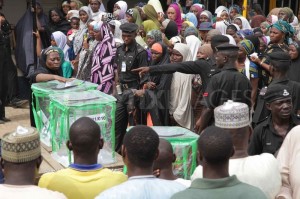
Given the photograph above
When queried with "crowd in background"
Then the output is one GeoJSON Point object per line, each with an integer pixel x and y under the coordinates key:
{"type": "Point", "coordinates": [180, 66]}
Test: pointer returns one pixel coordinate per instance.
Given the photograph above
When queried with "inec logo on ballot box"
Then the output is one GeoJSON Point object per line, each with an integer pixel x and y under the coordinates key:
{"type": "Point", "coordinates": [99, 118]}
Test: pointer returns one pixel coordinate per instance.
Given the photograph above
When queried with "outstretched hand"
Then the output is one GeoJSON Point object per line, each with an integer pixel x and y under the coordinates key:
{"type": "Point", "coordinates": [141, 70]}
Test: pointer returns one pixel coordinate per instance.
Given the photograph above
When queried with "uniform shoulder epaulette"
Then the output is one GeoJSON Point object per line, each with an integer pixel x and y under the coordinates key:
{"type": "Point", "coordinates": [213, 72]}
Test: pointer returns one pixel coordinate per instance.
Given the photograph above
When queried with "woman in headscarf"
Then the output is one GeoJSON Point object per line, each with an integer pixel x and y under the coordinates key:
{"type": "Point", "coordinates": [96, 12]}
{"type": "Point", "coordinates": [280, 34]}
{"type": "Point", "coordinates": [65, 7]}
{"type": "Point", "coordinates": [222, 13]}
{"type": "Point", "coordinates": [133, 16]}
{"type": "Point", "coordinates": [153, 36]}
{"type": "Point", "coordinates": [174, 14]}
{"type": "Point", "coordinates": [234, 11]}
{"type": "Point", "coordinates": [151, 22]}
{"type": "Point", "coordinates": [196, 9]}
{"type": "Point", "coordinates": [85, 17]}
{"type": "Point", "coordinates": [181, 87]}
{"type": "Point", "coordinates": [117, 32]}
{"type": "Point", "coordinates": [222, 26]}
{"type": "Point", "coordinates": [242, 22]}
{"type": "Point", "coordinates": [120, 9]}
{"type": "Point", "coordinates": [57, 22]}
{"type": "Point", "coordinates": [102, 72]}
{"type": "Point", "coordinates": [264, 26]}
{"type": "Point", "coordinates": [156, 5]}
{"type": "Point", "coordinates": [257, 20]}
{"type": "Point", "coordinates": [170, 28]}
{"type": "Point", "coordinates": [156, 88]}
{"type": "Point", "coordinates": [247, 67]}
{"type": "Point", "coordinates": [49, 67]}
{"type": "Point", "coordinates": [194, 43]}
{"type": "Point", "coordinates": [232, 30]}
{"type": "Point", "coordinates": [271, 19]}
{"type": "Point", "coordinates": [205, 16]}
{"type": "Point", "coordinates": [294, 70]}
{"type": "Point", "coordinates": [86, 54]}
{"type": "Point", "coordinates": [60, 40]}
{"type": "Point", "coordinates": [42, 21]}
{"type": "Point", "coordinates": [191, 17]}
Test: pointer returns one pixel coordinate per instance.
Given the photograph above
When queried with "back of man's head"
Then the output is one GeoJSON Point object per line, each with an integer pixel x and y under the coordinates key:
{"type": "Point", "coordinates": [85, 136]}
{"type": "Point", "coordinates": [141, 145]}
{"type": "Point", "coordinates": [215, 146]}
{"type": "Point", "coordinates": [166, 156]}
{"type": "Point", "coordinates": [218, 40]}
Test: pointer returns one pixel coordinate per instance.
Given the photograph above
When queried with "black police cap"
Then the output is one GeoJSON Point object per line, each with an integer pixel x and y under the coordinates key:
{"type": "Point", "coordinates": [280, 56]}
{"type": "Point", "coordinates": [227, 47]}
{"type": "Point", "coordinates": [129, 27]}
{"type": "Point", "coordinates": [277, 92]}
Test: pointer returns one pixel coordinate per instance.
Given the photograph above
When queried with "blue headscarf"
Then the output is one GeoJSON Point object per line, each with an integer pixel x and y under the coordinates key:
{"type": "Point", "coordinates": [192, 18]}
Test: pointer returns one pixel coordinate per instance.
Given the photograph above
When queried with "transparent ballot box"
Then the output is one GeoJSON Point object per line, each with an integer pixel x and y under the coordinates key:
{"type": "Point", "coordinates": [41, 102]}
{"type": "Point", "coordinates": [184, 143]}
{"type": "Point", "coordinates": [66, 108]}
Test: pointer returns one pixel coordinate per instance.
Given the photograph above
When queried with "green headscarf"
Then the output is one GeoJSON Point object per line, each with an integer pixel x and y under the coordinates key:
{"type": "Point", "coordinates": [151, 14]}
{"type": "Point", "coordinates": [135, 14]}
{"type": "Point", "coordinates": [286, 28]}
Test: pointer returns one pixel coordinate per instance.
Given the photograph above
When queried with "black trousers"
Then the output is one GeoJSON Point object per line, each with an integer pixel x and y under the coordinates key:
{"type": "Point", "coordinates": [3, 79]}
{"type": "Point", "coordinates": [12, 77]}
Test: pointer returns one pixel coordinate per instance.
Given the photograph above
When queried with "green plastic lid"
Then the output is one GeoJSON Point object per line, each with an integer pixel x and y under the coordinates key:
{"type": "Point", "coordinates": [60, 87]}
{"type": "Point", "coordinates": [89, 97]}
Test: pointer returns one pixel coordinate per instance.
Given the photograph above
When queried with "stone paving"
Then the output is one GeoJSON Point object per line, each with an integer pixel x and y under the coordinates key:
{"type": "Point", "coordinates": [18, 116]}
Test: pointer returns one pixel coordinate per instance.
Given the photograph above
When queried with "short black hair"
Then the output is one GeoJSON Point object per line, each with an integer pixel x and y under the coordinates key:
{"type": "Point", "coordinates": [85, 135]}
{"type": "Point", "coordinates": [232, 27]}
{"type": "Point", "coordinates": [218, 40]}
{"type": "Point", "coordinates": [215, 145]}
{"type": "Point", "coordinates": [141, 143]}
{"type": "Point", "coordinates": [166, 155]}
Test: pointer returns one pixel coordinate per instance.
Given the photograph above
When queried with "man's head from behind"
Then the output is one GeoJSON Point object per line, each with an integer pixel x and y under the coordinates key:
{"type": "Point", "coordinates": [140, 147]}
{"type": "Point", "coordinates": [215, 146]}
{"type": "Point", "coordinates": [166, 156]}
{"type": "Point", "coordinates": [85, 139]}
{"type": "Point", "coordinates": [226, 54]}
{"type": "Point", "coordinates": [21, 153]}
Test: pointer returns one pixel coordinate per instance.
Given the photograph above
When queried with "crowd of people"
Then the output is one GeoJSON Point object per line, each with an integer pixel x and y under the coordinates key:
{"type": "Point", "coordinates": [232, 79]}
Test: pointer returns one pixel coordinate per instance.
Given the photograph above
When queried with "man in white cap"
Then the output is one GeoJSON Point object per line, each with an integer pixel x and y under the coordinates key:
{"type": "Point", "coordinates": [21, 159]}
{"type": "Point", "coordinates": [261, 171]}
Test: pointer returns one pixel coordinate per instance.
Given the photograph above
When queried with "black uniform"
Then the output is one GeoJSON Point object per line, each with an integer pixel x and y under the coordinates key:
{"type": "Point", "coordinates": [227, 84]}
{"type": "Point", "coordinates": [265, 139]}
{"type": "Point", "coordinates": [134, 57]}
{"type": "Point", "coordinates": [202, 67]}
{"type": "Point", "coordinates": [261, 112]}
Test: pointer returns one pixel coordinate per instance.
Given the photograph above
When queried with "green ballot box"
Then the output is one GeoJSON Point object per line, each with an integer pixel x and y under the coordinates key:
{"type": "Point", "coordinates": [41, 102]}
{"type": "Point", "coordinates": [66, 108]}
{"type": "Point", "coordinates": [184, 143]}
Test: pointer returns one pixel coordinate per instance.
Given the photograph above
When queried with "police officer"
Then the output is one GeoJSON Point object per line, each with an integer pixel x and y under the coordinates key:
{"type": "Point", "coordinates": [279, 65]}
{"type": "Point", "coordinates": [129, 56]}
{"type": "Point", "coordinates": [269, 134]}
{"type": "Point", "coordinates": [226, 84]}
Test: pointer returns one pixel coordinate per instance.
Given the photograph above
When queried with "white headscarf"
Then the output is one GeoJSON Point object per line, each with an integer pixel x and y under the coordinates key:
{"type": "Point", "coordinates": [88, 12]}
{"type": "Point", "coordinates": [245, 23]}
{"type": "Point", "coordinates": [194, 43]}
{"type": "Point", "coordinates": [61, 42]}
{"type": "Point", "coordinates": [184, 51]}
{"type": "Point", "coordinates": [156, 5]}
{"type": "Point", "coordinates": [118, 31]}
{"type": "Point", "coordinates": [123, 9]}
{"type": "Point", "coordinates": [221, 26]}
{"type": "Point", "coordinates": [181, 91]}
{"type": "Point", "coordinates": [231, 39]}
{"type": "Point", "coordinates": [220, 9]}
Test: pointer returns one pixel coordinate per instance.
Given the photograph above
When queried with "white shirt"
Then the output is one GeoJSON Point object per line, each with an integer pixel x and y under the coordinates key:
{"type": "Point", "coordinates": [143, 187]}
{"type": "Point", "coordinates": [28, 192]}
{"type": "Point", "coordinates": [185, 182]}
{"type": "Point", "coordinates": [289, 164]}
{"type": "Point", "coordinates": [261, 171]}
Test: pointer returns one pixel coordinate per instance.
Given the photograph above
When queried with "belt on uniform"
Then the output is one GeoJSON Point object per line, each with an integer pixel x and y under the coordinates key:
{"type": "Point", "coordinates": [129, 85]}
